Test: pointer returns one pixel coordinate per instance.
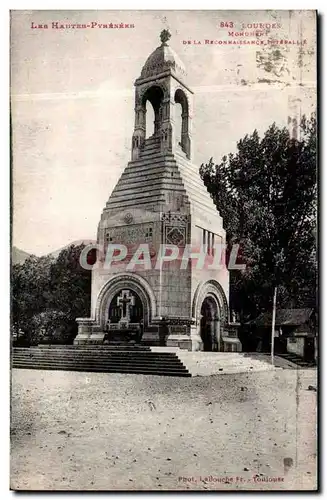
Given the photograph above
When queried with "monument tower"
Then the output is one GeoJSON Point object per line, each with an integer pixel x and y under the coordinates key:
{"type": "Point", "coordinates": [161, 200]}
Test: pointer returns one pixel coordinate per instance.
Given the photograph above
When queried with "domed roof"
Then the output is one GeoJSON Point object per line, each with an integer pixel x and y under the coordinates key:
{"type": "Point", "coordinates": [162, 59]}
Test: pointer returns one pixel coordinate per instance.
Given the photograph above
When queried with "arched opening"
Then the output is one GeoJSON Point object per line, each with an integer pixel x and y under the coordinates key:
{"type": "Point", "coordinates": [149, 120]}
{"type": "Point", "coordinates": [182, 122]}
{"type": "Point", "coordinates": [178, 123]}
{"type": "Point", "coordinates": [153, 95]}
{"type": "Point", "coordinates": [125, 281]}
{"type": "Point", "coordinates": [210, 325]}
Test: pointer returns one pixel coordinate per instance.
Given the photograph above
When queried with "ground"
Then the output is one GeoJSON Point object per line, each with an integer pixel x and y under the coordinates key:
{"type": "Point", "coordinates": [83, 431]}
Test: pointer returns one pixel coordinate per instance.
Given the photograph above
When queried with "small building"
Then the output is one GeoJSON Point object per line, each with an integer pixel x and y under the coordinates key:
{"type": "Point", "coordinates": [295, 332]}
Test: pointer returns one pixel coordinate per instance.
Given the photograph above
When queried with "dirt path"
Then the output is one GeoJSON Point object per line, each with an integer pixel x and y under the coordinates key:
{"type": "Point", "coordinates": [81, 431]}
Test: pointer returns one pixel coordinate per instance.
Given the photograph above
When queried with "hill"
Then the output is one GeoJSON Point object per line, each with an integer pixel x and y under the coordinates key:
{"type": "Point", "coordinates": [18, 256]}
{"type": "Point", "coordinates": [76, 243]}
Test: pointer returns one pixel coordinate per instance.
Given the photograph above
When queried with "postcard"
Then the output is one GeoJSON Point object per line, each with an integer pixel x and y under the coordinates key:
{"type": "Point", "coordinates": [164, 314]}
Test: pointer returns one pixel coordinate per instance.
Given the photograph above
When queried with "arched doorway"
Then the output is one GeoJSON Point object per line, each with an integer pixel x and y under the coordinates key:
{"type": "Point", "coordinates": [125, 281]}
{"type": "Point", "coordinates": [126, 305]}
{"type": "Point", "coordinates": [210, 325]}
{"type": "Point", "coordinates": [209, 305]}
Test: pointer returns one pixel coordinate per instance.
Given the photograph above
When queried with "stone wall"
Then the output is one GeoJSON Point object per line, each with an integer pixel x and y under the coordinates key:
{"type": "Point", "coordinates": [295, 345]}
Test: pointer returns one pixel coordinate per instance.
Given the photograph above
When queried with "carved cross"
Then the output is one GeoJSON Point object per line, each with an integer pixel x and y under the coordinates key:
{"type": "Point", "coordinates": [125, 301]}
{"type": "Point", "coordinates": [164, 36]}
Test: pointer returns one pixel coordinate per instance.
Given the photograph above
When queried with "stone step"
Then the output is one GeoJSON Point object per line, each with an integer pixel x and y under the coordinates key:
{"type": "Point", "coordinates": [158, 158]}
{"type": "Point", "coordinates": [150, 144]}
{"type": "Point", "coordinates": [161, 183]}
{"type": "Point", "coordinates": [92, 347]}
{"type": "Point", "coordinates": [149, 152]}
{"type": "Point", "coordinates": [150, 176]}
{"type": "Point", "coordinates": [149, 168]}
{"type": "Point", "coordinates": [145, 201]}
{"type": "Point", "coordinates": [153, 180]}
{"type": "Point", "coordinates": [294, 358]}
{"type": "Point", "coordinates": [101, 362]}
{"type": "Point", "coordinates": [139, 195]}
{"type": "Point", "coordinates": [81, 358]}
{"type": "Point", "coordinates": [156, 161]}
{"type": "Point", "coordinates": [144, 194]}
{"type": "Point", "coordinates": [153, 139]}
{"type": "Point", "coordinates": [176, 186]}
{"type": "Point", "coordinates": [149, 155]}
{"type": "Point", "coordinates": [112, 369]}
{"type": "Point", "coordinates": [89, 347]}
{"type": "Point", "coordinates": [109, 359]}
{"type": "Point", "coordinates": [98, 359]}
{"type": "Point", "coordinates": [156, 197]}
{"type": "Point", "coordinates": [160, 174]}
{"type": "Point", "coordinates": [92, 353]}
{"type": "Point", "coordinates": [88, 364]}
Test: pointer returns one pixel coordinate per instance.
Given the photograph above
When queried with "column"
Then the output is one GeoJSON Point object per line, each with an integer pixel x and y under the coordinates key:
{"type": "Point", "coordinates": [217, 332]}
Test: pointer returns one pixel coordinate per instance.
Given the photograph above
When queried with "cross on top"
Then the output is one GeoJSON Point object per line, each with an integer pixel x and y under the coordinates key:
{"type": "Point", "coordinates": [164, 36]}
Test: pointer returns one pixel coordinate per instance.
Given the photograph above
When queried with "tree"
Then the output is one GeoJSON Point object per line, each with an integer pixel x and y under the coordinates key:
{"type": "Point", "coordinates": [266, 194]}
{"type": "Point", "coordinates": [50, 327]}
{"type": "Point", "coordinates": [71, 286]}
{"type": "Point", "coordinates": [30, 292]}
{"type": "Point", "coordinates": [45, 289]}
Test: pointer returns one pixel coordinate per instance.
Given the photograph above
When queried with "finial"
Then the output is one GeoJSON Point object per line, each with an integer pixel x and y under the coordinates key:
{"type": "Point", "coordinates": [164, 36]}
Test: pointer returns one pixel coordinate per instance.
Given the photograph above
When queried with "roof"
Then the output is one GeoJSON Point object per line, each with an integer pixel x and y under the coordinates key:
{"type": "Point", "coordinates": [284, 317]}
{"type": "Point", "coordinates": [161, 59]}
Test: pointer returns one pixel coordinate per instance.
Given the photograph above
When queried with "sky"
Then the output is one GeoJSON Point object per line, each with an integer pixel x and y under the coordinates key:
{"type": "Point", "coordinates": [72, 100]}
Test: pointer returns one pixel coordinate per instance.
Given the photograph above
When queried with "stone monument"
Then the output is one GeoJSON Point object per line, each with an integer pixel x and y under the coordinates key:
{"type": "Point", "coordinates": [161, 200]}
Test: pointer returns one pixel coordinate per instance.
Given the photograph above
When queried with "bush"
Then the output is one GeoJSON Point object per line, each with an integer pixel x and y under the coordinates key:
{"type": "Point", "coordinates": [51, 327]}
{"type": "Point", "coordinates": [48, 295]}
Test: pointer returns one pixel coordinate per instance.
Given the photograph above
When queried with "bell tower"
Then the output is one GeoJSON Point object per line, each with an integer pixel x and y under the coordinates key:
{"type": "Point", "coordinates": [162, 83]}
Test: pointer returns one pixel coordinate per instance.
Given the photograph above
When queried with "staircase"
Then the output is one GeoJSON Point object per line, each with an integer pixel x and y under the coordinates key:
{"type": "Point", "coordinates": [106, 359]}
{"type": "Point", "coordinates": [294, 358]}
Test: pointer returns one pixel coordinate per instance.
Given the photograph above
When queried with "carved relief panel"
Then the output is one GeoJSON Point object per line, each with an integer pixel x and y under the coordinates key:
{"type": "Point", "coordinates": [134, 233]}
{"type": "Point", "coordinates": [175, 228]}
